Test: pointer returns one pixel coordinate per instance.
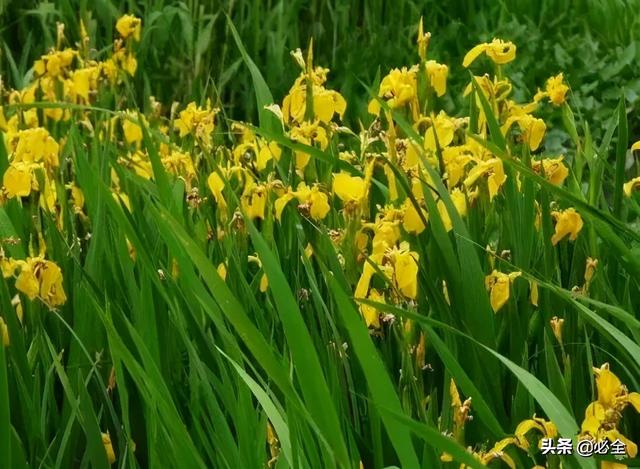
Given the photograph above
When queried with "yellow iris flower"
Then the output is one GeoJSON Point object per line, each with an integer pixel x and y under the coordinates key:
{"type": "Point", "coordinates": [442, 128]}
{"type": "Point", "coordinates": [552, 168]}
{"type": "Point", "coordinates": [437, 74]}
{"type": "Point", "coordinates": [499, 286]}
{"type": "Point", "coordinates": [38, 278]}
{"type": "Point", "coordinates": [312, 200]}
{"type": "Point", "coordinates": [461, 411]}
{"type": "Point", "coordinates": [485, 457]}
{"type": "Point", "coordinates": [499, 51]}
{"type": "Point", "coordinates": [82, 82]}
{"type": "Point", "coordinates": [556, 89]}
{"type": "Point", "coordinates": [422, 41]}
{"type": "Point", "coordinates": [197, 121]}
{"type": "Point", "coordinates": [254, 199]}
{"type": "Point", "coordinates": [495, 179]}
{"type": "Point", "coordinates": [398, 88]}
{"type": "Point", "coordinates": [545, 428]}
{"type": "Point", "coordinates": [533, 129]}
{"type": "Point", "coordinates": [398, 264]}
{"type": "Point", "coordinates": [326, 103]}
{"type": "Point", "coordinates": [603, 415]}
{"type": "Point", "coordinates": [456, 159]}
{"type": "Point", "coordinates": [253, 149]}
{"type": "Point", "coordinates": [129, 26]}
{"type": "Point", "coordinates": [309, 133]}
{"type": "Point", "coordinates": [557, 324]}
{"type": "Point", "coordinates": [131, 130]}
{"type": "Point", "coordinates": [568, 222]}
{"type": "Point", "coordinates": [264, 281]}
{"type": "Point", "coordinates": [35, 146]}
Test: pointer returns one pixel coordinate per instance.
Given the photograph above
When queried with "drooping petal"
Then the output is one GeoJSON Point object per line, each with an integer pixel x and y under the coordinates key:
{"type": "Point", "coordinates": [473, 54]}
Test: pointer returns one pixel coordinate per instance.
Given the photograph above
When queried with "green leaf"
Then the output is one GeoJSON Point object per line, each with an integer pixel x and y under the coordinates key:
{"type": "Point", "coordinates": [275, 417]}
{"type": "Point", "coordinates": [305, 358]}
{"type": "Point", "coordinates": [382, 391]}
{"type": "Point", "coordinates": [621, 156]}
{"type": "Point", "coordinates": [268, 121]}
{"type": "Point", "coordinates": [5, 416]}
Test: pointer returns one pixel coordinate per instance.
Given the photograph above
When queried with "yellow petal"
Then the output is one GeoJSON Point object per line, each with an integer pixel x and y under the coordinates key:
{"type": "Point", "coordinates": [264, 283]}
{"type": "Point", "coordinates": [437, 74]}
{"type": "Point", "coordinates": [51, 288]}
{"type": "Point", "coordinates": [443, 129]}
{"type": "Point", "coordinates": [608, 385]}
{"type": "Point", "coordinates": [281, 203]}
{"type": "Point", "coordinates": [129, 26]}
{"type": "Point", "coordinates": [568, 222]}
{"type": "Point", "coordinates": [302, 160]}
{"type": "Point", "coordinates": [535, 133]}
{"type": "Point", "coordinates": [17, 182]}
{"type": "Point", "coordinates": [308, 251]}
{"type": "Point", "coordinates": [216, 185]}
{"type": "Point", "coordinates": [455, 395]}
{"type": "Point", "coordinates": [556, 89]}
{"type": "Point", "coordinates": [374, 107]}
{"type": "Point", "coordinates": [631, 447]}
{"type": "Point", "coordinates": [534, 292]}
{"type": "Point", "coordinates": [319, 204]}
{"type": "Point", "coordinates": [634, 400]}
{"type": "Point", "coordinates": [499, 285]}
{"type": "Point", "coordinates": [323, 106]}
{"type": "Point", "coordinates": [364, 281]}
{"type": "Point", "coordinates": [77, 198]}
{"type": "Point", "coordinates": [348, 188]}
{"type": "Point", "coordinates": [501, 52]}
{"type": "Point", "coordinates": [370, 314]}
{"type": "Point", "coordinates": [391, 182]}
{"type": "Point", "coordinates": [412, 222]}
{"type": "Point", "coordinates": [473, 54]}
{"type": "Point", "coordinates": [612, 465]}
{"type": "Point", "coordinates": [406, 272]}
{"type": "Point", "coordinates": [9, 266]}
{"type": "Point", "coordinates": [222, 271]}
{"type": "Point", "coordinates": [108, 447]}
{"type": "Point", "coordinates": [4, 333]}
{"type": "Point", "coordinates": [553, 168]}
{"type": "Point", "coordinates": [446, 457]}
{"type": "Point", "coordinates": [27, 283]}
{"type": "Point", "coordinates": [132, 132]}
{"type": "Point", "coordinates": [444, 215]}
{"type": "Point", "coordinates": [631, 185]}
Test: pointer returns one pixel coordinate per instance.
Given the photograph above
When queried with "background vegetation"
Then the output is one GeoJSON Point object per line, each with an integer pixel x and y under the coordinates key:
{"type": "Point", "coordinates": [187, 51]}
